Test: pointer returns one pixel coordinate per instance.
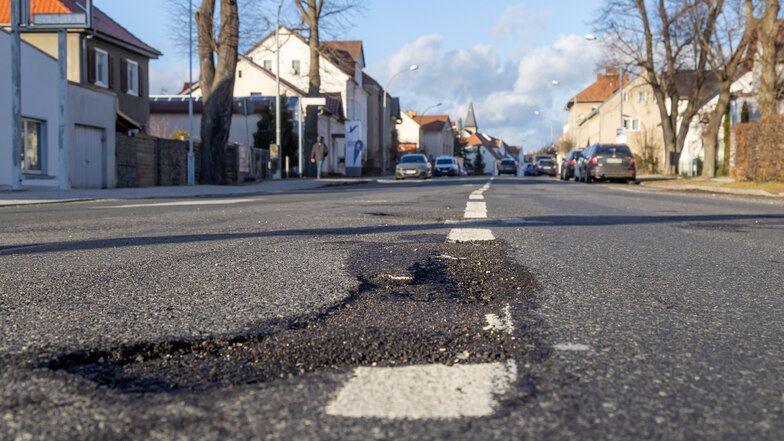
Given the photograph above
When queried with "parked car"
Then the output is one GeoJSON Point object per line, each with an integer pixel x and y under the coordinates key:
{"type": "Point", "coordinates": [414, 165]}
{"type": "Point", "coordinates": [608, 162]}
{"type": "Point", "coordinates": [446, 166]}
{"type": "Point", "coordinates": [569, 163]}
{"type": "Point", "coordinates": [507, 166]}
{"type": "Point", "coordinates": [545, 167]}
{"type": "Point", "coordinates": [528, 169]}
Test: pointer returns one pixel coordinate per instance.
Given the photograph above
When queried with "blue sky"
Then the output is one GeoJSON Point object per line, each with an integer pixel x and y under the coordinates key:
{"type": "Point", "coordinates": [500, 54]}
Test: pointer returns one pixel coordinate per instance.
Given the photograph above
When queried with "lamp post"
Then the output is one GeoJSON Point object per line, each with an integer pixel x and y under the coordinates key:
{"type": "Point", "coordinates": [385, 118]}
{"type": "Point", "coordinates": [191, 157]}
{"type": "Point", "coordinates": [431, 107]}
{"type": "Point", "coordinates": [278, 162]}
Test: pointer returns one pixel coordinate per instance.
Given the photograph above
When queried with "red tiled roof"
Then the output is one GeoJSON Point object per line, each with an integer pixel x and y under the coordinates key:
{"type": "Point", "coordinates": [101, 22]}
{"type": "Point", "coordinates": [605, 85]}
{"type": "Point", "coordinates": [432, 123]}
{"type": "Point", "coordinates": [353, 48]}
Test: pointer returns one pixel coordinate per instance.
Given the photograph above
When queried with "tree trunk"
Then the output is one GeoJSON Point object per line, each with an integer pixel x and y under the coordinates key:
{"type": "Point", "coordinates": [216, 80]}
{"type": "Point", "coordinates": [768, 30]}
{"type": "Point", "coordinates": [311, 14]}
{"type": "Point", "coordinates": [710, 138]}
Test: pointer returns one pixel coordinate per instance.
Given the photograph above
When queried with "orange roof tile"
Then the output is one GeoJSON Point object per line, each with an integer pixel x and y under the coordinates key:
{"type": "Point", "coordinates": [605, 85]}
{"type": "Point", "coordinates": [432, 123]}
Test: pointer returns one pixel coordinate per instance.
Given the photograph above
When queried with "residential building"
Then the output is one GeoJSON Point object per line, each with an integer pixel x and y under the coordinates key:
{"type": "Point", "coordinates": [86, 158]}
{"type": "Point", "coordinates": [340, 68]}
{"type": "Point", "coordinates": [432, 135]}
{"type": "Point", "coordinates": [107, 56]}
{"type": "Point", "coordinates": [588, 101]}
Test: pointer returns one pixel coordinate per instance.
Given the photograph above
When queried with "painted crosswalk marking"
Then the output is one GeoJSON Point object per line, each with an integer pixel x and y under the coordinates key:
{"type": "Point", "coordinates": [476, 210]}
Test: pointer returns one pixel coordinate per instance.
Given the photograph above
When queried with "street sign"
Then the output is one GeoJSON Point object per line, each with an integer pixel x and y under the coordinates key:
{"type": "Point", "coordinates": [354, 147]}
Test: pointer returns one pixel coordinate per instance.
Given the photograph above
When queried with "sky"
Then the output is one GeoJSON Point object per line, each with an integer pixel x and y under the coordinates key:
{"type": "Point", "coordinates": [502, 55]}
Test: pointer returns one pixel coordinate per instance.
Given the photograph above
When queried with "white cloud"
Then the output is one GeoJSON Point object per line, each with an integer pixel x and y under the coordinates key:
{"type": "Point", "coordinates": [505, 93]}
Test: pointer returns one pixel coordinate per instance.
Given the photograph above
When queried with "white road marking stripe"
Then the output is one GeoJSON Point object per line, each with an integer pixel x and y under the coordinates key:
{"type": "Point", "coordinates": [476, 210]}
{"type": "Point", "coordinates": [497, 323]}
{"type": "Point", "coordinates": [571, 347]}
{"type": "Point", "coordinates": [184, 203]}
{"type": "Point", "coordinates": [476, 197]}
{"type": "Point", "coordinates": [470, 234]}
{"type": "Point", "coordinates": [424, 392]}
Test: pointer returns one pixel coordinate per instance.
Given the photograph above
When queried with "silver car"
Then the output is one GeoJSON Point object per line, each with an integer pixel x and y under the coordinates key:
{"type": "Point", "coordinates": [414, 165]}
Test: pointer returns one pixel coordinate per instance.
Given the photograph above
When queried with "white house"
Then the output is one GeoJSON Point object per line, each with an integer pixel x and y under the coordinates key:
{"type": "Point", "coordinates": [340, 69]}
{"type": "Point", "coordinates": [90, 118]}
{"type": "Point", "coordinates": [255, 84]}
{"type": "Point", "coordinates": [433, 135]}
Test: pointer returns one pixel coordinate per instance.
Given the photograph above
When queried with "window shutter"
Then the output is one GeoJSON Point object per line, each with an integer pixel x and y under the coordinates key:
{"type": "Point", "coordinates": [91, 66]}
{"type": "Point", "coordinates": [124, 76]}
{"type": "Point", "coordinates": [142, 79]}
{"type": "Point", "coordinates": [111, 71]}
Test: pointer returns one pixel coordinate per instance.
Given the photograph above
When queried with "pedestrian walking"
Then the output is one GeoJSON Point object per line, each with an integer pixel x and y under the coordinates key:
{"type": "Point", "coordinates": [318, 152]}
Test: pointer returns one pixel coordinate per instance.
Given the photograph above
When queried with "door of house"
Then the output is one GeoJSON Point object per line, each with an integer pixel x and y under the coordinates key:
{"type": "Point", "coordinates": [88, 157]}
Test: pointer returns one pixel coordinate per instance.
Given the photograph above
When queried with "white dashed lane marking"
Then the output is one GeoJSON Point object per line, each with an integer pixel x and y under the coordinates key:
{"type": "Point", "coordinates": [470, 234]}
{"type": "Point", "coordinates": [431, 391]}
{"type": "Point", "coordinates": [476, 210]}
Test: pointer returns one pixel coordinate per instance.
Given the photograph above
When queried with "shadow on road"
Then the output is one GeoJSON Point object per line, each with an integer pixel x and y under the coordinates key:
{"type": "Point", "coordinates": [715, 222]}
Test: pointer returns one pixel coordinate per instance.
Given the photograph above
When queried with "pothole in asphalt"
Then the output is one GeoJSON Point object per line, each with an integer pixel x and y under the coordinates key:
{"type": "Point", "coordinates": [417, 303]}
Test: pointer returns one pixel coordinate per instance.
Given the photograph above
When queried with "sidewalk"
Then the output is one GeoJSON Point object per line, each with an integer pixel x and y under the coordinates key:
{"type": "Point", "coordinates": [31, 196]}
{"type": "Point", "coordinates": [714, 185]}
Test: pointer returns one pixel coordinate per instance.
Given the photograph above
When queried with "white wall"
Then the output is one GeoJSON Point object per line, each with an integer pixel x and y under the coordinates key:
{"type": "Point", "coordinates": [40, 76]}
{"type": "Point", "coordinates": [95, 108]}
{"type": "Point", "coordinates": [408, 131]}
{"type": "Point", "coordinates": [165, 125]}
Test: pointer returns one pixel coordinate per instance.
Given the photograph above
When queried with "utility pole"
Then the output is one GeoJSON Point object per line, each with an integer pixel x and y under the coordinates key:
{"type": "Point", "coordinates": [191, 157]}
{"type": "Point", "coordinates": [278, 171]}
{"type": "Point", "coordinates": [16, 95]}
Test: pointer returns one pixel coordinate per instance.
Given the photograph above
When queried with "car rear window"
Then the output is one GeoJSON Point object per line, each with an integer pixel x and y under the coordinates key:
{"type": "Point", "coordinates": [546, 162]}
{"type": "Point", "coordinates": [445, 161]}
{"type": "Point", "coordinates": [412, 158]}
{"type": "Point", "coordinates": [508, 162]}
{"type": "Point", "coordinates": [613, 150]}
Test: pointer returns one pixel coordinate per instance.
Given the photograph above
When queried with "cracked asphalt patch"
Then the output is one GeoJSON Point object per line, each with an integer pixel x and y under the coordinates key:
{"type": "Point", "coordinates": [417, 303]}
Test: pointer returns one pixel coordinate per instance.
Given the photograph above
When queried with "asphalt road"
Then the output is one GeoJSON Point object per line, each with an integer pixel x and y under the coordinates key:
{"type": "Point", "coordinates": [556, 311]}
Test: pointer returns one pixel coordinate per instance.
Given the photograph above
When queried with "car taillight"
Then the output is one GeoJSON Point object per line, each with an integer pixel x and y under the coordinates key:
{"type": "Point", "coordinates": [634, 162]}
{"type": "Point", "coordinates": [594, 160]}
{"type": "Point", "coordinates": [571, 162]}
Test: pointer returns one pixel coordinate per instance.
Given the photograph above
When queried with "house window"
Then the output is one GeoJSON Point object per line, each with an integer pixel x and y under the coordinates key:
{"type": "Point", "coordinates": [268, 64]}
{"type": "Point", "coordinates": [239, 74]}
{"type": "Point", "coordinates": [631, 124]}
{"type": "Point", "coordinates": [101, 68]}
{"type": "Point", "coordinates": [32, 146]}
{"type": "Point", "coordinates": [132, 77]}
{"type": "Point", "coordinates": [643, 97]}
{"type": "Point", "coordinates": [295, 67]}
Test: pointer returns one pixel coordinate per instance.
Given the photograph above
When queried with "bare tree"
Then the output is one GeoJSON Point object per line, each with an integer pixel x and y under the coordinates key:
{"type": "Point", "coordinates": [657, 37]}
{"type": "Point", "coordinates": [216, 80]}
{"type": "Point", "coordinates": [254, 25]}
{"type": "Point", "coordinates": [726, 52]}
{"type": "Point", "coordinates": [313, 14]}
{"type": "Point", "coordinates": [768, 31]}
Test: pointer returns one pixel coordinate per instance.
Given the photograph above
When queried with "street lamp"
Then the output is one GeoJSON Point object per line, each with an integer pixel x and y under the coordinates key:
{"type": "Point", "coordinates": [191, 157]}
{"type": "Point", "coordinates": [428, 108]}
{"type": "Point", "coordinates": [279, 161]}
{"type": "Point", "coordinates": [385, 117]}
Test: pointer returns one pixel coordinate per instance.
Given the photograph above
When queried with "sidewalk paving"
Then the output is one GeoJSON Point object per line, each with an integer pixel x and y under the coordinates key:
{"type": "Point", "coordinates": [668, 183]}
{"type": "Point", "coordinates": [32, 196]}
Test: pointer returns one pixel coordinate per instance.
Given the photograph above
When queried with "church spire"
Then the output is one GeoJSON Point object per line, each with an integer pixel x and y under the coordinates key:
{"type": "Point", "coordinates": [470, 121]}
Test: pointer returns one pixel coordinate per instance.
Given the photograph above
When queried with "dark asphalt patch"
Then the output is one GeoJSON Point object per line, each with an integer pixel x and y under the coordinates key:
{"type": "Point", "coordinates": [417, 303]}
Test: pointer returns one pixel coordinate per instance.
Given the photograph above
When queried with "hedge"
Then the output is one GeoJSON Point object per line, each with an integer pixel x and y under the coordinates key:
{"type": "Point", "coordinates": [759, 150]}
